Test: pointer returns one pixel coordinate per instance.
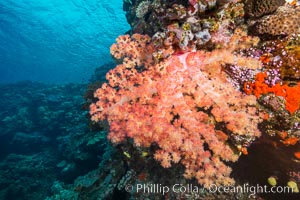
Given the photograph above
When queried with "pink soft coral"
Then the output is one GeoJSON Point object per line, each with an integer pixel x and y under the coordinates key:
{"type": "Point", "coordinates": [177, 105]}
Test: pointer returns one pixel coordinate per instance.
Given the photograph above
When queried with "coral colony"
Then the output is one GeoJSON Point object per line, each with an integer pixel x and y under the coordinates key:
{"type": "Point", "coordinates": [197, 82]}
{"type": "Point", "coordinates": [177, 104]}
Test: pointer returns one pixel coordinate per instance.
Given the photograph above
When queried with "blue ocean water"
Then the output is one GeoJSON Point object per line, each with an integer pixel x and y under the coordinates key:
{"type": "Point", "coordinates": [55, 41]}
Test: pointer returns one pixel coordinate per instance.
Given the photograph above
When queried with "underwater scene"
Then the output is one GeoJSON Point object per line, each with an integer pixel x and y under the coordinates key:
{"type": "Point", "coordinates": [150, 100]}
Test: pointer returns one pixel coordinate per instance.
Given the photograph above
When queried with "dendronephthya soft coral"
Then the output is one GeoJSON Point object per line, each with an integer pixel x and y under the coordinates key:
{"type": "Point", "coordinates": [183, 104]}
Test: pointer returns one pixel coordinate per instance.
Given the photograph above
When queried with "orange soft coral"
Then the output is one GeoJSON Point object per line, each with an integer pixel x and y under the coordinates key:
{"type": "Point", "coordinates": [290, 94]}
{"type": "Point", "coordinates": [176, 105]}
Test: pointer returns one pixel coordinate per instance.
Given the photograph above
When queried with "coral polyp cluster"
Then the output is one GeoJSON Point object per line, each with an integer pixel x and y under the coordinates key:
{"type": "Point", "coordinates": [290, 94]}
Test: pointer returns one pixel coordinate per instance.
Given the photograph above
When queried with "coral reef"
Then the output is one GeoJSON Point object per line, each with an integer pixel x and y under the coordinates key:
{"type": "Point", "coordinates": [280, 59]}
{"type": "Point", "coordinates": [281, 105]}
{"type": "Point", "coordinates": [44, 138]}
{"type": "Point", "coordinates": [27, 176]}
{"type": "Point", "coordinates": [184, 25]}
{"type": "Point", "coordinates": [209, 91]}
{"type": "Point", "coordinates": [179, 92]}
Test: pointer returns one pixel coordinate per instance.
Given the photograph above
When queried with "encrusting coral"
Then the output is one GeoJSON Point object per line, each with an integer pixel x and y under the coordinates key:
{"type": "Point", "coordinates": [290, 94]}
{"type": "Point", "coordinates": [258, 8]}
{"type": "Point", "coordinates": [285, 21]}
{"type": "Point", "coordinates": [183, 104]}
